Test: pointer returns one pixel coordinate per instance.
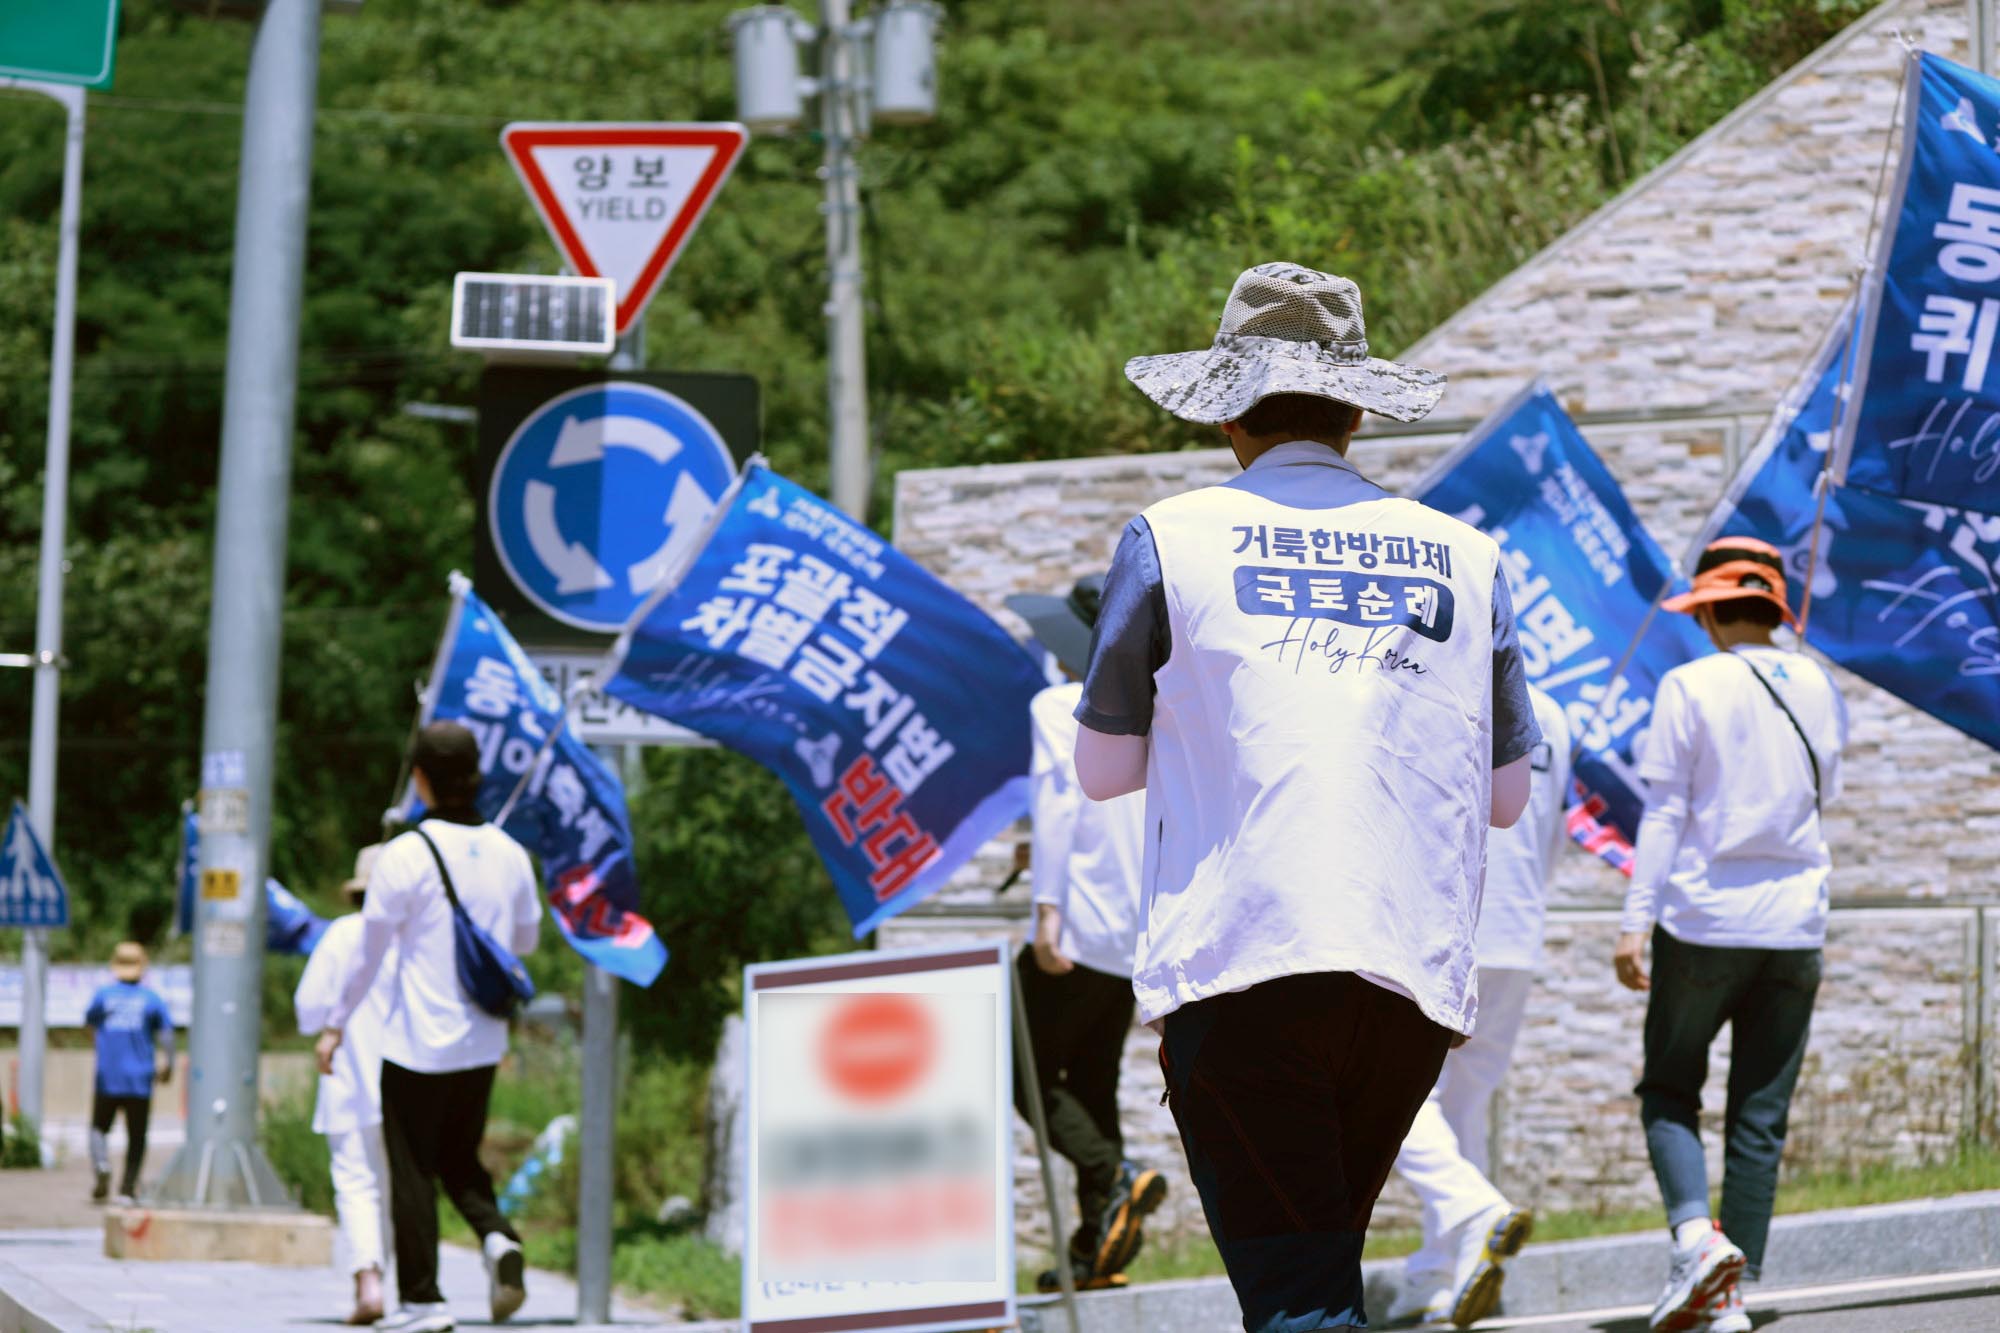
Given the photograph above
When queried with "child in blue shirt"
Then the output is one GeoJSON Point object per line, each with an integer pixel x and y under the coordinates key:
{"type": "Point", "coordinates": [135, 1046]}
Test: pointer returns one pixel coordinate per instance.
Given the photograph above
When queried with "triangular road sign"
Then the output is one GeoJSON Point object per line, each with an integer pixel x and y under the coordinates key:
{"type": "Point", "coordinates": [31, 892]}
{"type": "Point", "coordinates": [620, 200]}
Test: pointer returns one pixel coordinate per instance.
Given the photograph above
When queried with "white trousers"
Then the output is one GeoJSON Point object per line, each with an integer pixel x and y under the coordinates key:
{"type": "Point", "coordinates": [1444, 1155]}
{"type": "Point", "coordinates": [361, 1195]}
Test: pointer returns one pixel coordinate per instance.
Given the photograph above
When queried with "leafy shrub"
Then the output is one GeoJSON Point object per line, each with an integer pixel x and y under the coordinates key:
{"type": "Point", "coordinates": [20, 1144]}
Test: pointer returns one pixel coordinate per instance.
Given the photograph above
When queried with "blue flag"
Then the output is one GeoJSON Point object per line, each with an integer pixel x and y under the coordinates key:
{"type": "Point", "coordinates": [895, 710]}
{"type": "Point", "coordinates": [1905, 591]}
{"type": "Point", "coordinates": [289, 925]}
{"type": "Point", "coordinates": [31, 891]}
{"type": "Point", "coordinates": [571, 809]}
{"type": "Point", "coordinates": [1925, 422]}
{"type": "Point", "coordinates": [1585, 576]}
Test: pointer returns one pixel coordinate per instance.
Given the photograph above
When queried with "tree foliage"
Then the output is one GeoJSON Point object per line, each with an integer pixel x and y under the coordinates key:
{"type": "Point", "coordinates": [1098, 175]}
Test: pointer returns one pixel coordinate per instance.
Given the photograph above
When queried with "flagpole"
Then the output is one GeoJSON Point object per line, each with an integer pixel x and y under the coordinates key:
{"type": "Point", "coordinates": [1842, 405]}
{"type": "Point", "coordinates": [427, 701]}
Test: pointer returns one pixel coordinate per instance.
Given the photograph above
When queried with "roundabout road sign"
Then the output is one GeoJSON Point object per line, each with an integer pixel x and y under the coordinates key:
{"type": "Point", "coordinates": [597, 493]}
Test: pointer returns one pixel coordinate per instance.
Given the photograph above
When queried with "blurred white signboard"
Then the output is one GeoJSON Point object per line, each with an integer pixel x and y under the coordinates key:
{"type": "Point", "coordinates": [879, 1157]}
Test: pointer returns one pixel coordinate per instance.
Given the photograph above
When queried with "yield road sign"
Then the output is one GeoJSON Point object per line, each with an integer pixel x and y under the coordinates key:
{"type": "Point", "coordinates": [31, 892]}
{"type": "Point", "coordinates": [597, 493]}
{"type": "Point", "coordinates": [621, 200]}
{"type": "Point", "coordinates": [59, 41]}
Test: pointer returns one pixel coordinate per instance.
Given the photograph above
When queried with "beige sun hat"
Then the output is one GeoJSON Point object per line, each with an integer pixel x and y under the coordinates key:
{"type": "Point", "coordinates": [364, 866]}
{"type": "Point", "coordinates": [128, 961]}
{"type": "Point", "coordinates": [1286, 329]}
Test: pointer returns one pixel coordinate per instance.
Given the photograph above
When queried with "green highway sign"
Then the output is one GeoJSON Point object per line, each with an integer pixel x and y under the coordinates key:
{"type": "Point", "coordinates": [59, 41]}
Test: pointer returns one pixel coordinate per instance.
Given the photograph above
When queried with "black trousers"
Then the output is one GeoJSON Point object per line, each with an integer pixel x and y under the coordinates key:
{"type": "Point", "coordinates": [104, 1110]}
{"type": "Point", "coordinates": [1077, 1024]}
{"type": "Point", "coordinates": [1292, 1099]}
{"type": "Point", "coordinates": [431, 1128]}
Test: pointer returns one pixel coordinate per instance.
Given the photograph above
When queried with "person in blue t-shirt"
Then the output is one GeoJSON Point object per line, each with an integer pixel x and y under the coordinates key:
{"type": "Point", "coordinates": [135, 1046]}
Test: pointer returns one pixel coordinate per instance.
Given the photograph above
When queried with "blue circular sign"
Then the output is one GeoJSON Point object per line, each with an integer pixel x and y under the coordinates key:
{"type": "Point", "coordinates": [598, 493]}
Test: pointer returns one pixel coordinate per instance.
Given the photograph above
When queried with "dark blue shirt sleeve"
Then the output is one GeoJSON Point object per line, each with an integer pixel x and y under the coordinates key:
{"type": "Point", "coordinates": [94, 1016]}
{"type": "Point", "coordinates": [1130, 641]}
{"type": "Point", "coordinates": [1515, 731]}
{"type": "Point", "coordinates": [162, 1017]}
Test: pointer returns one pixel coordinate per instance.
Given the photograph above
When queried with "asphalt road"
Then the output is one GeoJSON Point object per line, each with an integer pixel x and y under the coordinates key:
{"type": "Point", "coordinates": [1953, 1301]}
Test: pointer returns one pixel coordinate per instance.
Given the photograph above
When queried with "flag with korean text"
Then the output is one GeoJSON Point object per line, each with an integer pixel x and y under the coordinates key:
{"type": "Point", "coordinates": [895, 711]}
{"type": "Point", "coordinates": [1926, 418]}
{"type": "Point", "coordinates": [1906, 593]}
{"type": "Point", "coordinates": [570, 811]}
{"type": "Point", "coordinates": [1585, 577]}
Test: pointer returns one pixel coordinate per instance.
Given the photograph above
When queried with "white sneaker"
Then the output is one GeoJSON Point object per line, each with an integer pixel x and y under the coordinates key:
{"type": "Point", "coordinates": [506, 1275]}
{"type": "Point", "coordinates": [430, 1317]}
{"type": "Point", "coordinates": [1700, 1273]}
{"type": "Point", "coordinates": [1727, 1313]}
{"type": "Point", "coordinates": [1423, 1300]}
{"type": "Point", "coordinates": [1487, 1242]}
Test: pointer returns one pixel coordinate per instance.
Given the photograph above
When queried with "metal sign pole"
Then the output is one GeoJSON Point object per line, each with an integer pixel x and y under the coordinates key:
{"type": "Point", "coordinates": [49, 597]}
{"type": "Point", "coordinates": [1024, 1054]}
{"type": "Point", "coordinates": [221, 1163]}
{"type": "Point", "coordinates": [596, 1176]}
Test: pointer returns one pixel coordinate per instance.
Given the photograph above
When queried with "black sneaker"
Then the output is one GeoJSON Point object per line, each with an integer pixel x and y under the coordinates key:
{"type": "Point", "coordinates": [102, 1189]}
{"type": "Point", "coordinates": [1139, 1191]}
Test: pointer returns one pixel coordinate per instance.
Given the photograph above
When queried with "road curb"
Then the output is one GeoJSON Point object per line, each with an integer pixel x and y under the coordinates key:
{"type": "Point", "coordinates": [26, 1306]}
{"type": "Point", "coordinates": [1920, 1237]}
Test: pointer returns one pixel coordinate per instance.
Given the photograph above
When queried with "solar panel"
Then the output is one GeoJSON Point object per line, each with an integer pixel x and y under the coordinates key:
{"type": "Point", "coordinates": [515, 312]}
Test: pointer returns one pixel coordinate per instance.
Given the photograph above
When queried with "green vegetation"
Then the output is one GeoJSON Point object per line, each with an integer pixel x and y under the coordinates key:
{"type": "Point", "coordinates": [1099, 173]}
{"type": "Point", "coordinates": [20, 1143]}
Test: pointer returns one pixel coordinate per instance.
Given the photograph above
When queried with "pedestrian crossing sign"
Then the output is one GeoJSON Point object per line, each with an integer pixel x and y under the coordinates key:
{"type": "Point", "coordinates": [31, 892]}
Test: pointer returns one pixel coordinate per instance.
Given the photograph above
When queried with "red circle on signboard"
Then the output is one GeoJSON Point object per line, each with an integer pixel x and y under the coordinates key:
{"type": "Point", "coordinates": [877, 1046]}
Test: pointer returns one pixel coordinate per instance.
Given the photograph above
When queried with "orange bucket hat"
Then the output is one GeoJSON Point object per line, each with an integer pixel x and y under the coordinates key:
{"type": "Point", "coordinates": [1734, 568]}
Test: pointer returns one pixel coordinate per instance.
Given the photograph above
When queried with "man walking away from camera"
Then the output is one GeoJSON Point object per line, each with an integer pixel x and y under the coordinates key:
{"type": "Point", "coordinates": [348, 1110]}
{"type": "Point", "coordinates": [440, 1050]}
{"type": "Point", "coordinates": [1730, 879]}
{"type": "Point", "coordinates": [1319, 688]}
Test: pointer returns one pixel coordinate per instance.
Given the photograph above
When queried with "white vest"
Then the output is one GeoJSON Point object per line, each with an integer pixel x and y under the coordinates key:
{"type": "Point", "coordinates": [1320, 779]}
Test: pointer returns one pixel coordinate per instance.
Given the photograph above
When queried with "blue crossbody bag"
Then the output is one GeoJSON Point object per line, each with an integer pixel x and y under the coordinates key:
{"type": "Point", "coordinates": [489, 973]}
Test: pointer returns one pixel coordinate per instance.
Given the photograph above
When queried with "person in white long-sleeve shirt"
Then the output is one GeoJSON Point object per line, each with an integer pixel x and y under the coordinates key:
{"type": "Point", "coordinates": [440, 1051]}
{"type": "Point", "coordinates": [1075, 974]}
{"type": "Point", "coordinates": [1730, 879]}
{"type": "Point", "coordinates": [348, 1110]}
{"type": "Point", "coordinates": [1470, 1229]}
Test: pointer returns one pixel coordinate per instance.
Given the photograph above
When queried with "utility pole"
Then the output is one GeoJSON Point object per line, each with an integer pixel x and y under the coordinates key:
{"type": "Point", "coordinates": [846, 350]}
{"type": "Point", "coordinates": [221, 1163]}
{"type": "Point", "coordinates": [1979, 14]}
{"type": "Point", "coordinates": [896, 85]}
{"type": "Point", "coordinates": [597, 1126]}
{"type": "Point", "coordinates": [49, 595]}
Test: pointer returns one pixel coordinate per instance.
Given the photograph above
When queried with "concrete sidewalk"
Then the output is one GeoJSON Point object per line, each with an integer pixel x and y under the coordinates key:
{"type": "Point", "coordinates": [60, 1282]}
{"type": "Point", "coordinates": [1926, 1236]}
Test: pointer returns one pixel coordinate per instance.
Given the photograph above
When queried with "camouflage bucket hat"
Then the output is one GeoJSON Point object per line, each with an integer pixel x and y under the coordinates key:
{"type": "Point", "coordinates": [1286, 329]}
